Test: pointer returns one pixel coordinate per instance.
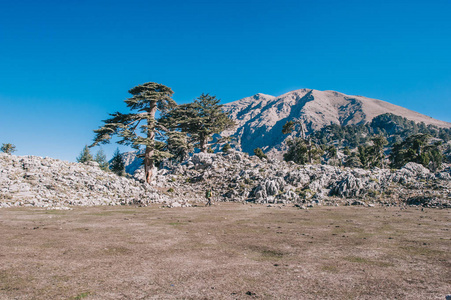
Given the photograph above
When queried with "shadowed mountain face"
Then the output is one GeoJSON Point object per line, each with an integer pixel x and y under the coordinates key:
{"type": "Point", "coordinates": [260, 118]}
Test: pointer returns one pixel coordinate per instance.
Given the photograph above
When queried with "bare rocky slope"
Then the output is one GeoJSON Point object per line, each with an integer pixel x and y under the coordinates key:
{"type": "Point", "coordinates": [236, 176]}
{"type": "Point", "coordinates": [260, 118]}
{"type": "Point", "coordinates": [52, 183]}
{"type": "Point", "coordinates": [233, 176]}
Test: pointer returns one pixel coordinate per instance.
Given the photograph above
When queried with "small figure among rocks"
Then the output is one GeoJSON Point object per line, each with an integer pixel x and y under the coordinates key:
{"type": "Point", "coordinates": [208, 195]}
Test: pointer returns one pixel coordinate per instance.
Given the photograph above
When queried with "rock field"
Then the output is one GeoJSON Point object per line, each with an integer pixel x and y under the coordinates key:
{"type": "Point", "coordinates": [234, 176]}
{"type": "Point", "coordinates": [48, 182]}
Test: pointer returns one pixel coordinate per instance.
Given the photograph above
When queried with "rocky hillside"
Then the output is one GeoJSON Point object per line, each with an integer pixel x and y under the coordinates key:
{"type": "Point", "coordinates": [236, 176]}
{"type": "Point", "coordinates": [260, 118]}
{"type": "Point", "coordinates": [48, 182]}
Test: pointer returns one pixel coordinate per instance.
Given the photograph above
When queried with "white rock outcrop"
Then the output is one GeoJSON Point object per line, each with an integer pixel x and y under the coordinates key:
{"type": "Point", "coordinates": [48, 182]}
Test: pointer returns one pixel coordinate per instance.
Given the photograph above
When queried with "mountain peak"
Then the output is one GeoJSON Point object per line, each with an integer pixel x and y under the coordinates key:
{"type": "Point", "coordinates": [259, 123]}
{"type": "Point", "coordinates": [259, 96]}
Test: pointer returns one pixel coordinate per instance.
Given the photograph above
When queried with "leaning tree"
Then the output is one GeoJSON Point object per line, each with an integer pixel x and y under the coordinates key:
{"type": "Point", "coordinates": [139, 128]}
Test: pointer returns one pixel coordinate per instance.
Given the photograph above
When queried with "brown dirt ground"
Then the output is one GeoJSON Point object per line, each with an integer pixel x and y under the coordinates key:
{"type": "Point", "coordinates": [228, 251]}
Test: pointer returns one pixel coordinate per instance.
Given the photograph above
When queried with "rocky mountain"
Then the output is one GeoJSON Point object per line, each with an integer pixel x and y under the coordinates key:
{"type": "Point", "coordinates": [260, 118]}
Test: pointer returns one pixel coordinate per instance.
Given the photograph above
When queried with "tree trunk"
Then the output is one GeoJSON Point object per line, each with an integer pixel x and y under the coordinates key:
{"type": "Point", "coordinates": [203, 144]}
{"type": "Point", "coordinates": [309, 151]}
{"type": "Point", "coordinates": [148, 157]}
{"type": "Point", "coordinates": [148, 163]}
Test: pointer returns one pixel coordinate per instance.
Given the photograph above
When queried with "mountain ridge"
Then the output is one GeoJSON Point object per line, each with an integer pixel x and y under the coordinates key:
{"type": "Point", "coordinates": [260, 118]}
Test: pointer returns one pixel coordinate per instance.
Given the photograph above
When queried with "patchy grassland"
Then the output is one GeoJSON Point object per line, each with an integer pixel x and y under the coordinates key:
{"type": "Point", "coordinates": [228, 251]}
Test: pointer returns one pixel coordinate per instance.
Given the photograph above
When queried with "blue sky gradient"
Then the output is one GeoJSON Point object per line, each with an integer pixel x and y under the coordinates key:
{"type": "Point", "coordinates": [64, 65]}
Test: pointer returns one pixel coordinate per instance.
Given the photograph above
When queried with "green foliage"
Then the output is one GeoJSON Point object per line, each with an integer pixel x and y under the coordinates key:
{"type": "Point", "coordinates": [117, 164]}
{"type": "Point", "coordinates": [199, 120]}
{"type": "Point", "coordinates": [8, 148]}
{"type": "Point", "coordinates": [288, 127]}
{"type": "Point", "coordinates": [419, 148]}
{"type": "Point", "coordinates": [139, 128]}
{"type": "Point", "coordinates": [297, 151]}
{"type": "Point", "coordinates": [447, 153]}
{"type": "Point", "coordinates": [302, 151]}
{"type": "Point", "coordinates": [372, 141]}
{"type": "Point", "coordinates": [331, 151]}
{"type": "Point", "coordinates": [226, 148]}
{"type": "Point", "coordinates": [346, 151]}
{"type": "Point", "coordinates": [353, 161]}
{"type": "Point", "coordinates": [259, 153]}
{"type": "Point", "coordinates": [85, 155]}
{"type": "Point", "coordinates": [394, 128]}
{"type": "Point", "coordinates": [100, 158]}
{"type": "Point", "coordinates": [373, 155]}
{"type": "Point", "coordinates": [178, 146]}
{"type": "Point", "coordinates": [82, 295]}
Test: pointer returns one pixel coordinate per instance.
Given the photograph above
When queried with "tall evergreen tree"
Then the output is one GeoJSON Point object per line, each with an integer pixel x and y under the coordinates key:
{"type": "Point", "coordinates": [436, 156]}
{"type": "Point", "coordinates": [301, 152]}
{"type": "Point", "coordinates": [353, 161]}
{"type": "Point", "coordinates": [117, 165]}
{"type": "Point", "coordinates": [177, 144]}
{"type": "Point", "coordinates": [139, 128]}
{"type": "Point", "coordinates": [419, 148]}
{"type": "Point", "coordinates": [8, 148]}
{"type": "Point", "coordinates": [376, 151]}
{"type": "Point", "coordinates": [100, 158]}
{"type": "Point", "coordinates": [85, 155]}
{"type": "Point", "coordinates": [200, 120]}
{"type": "Point", "coordinates": [300, 149]}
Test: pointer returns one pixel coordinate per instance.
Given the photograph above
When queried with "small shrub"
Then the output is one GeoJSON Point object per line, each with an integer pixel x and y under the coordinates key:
{"type": "Point", "coordinates": [226, 148]}
{"type": "Point", "coordinates": [8, 148]}
{"type": "Point", "coordinates": [259, 153]}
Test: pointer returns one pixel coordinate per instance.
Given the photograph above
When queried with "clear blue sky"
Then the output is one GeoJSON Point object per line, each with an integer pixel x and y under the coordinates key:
{"type": "Point", "coordinates": [64, 65]}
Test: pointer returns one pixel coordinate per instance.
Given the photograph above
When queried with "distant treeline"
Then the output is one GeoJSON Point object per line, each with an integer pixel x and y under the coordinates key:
{"type": "Point", "coordinates": [394, 128]}
{"type": "Point", "coordinates": [388, 141]}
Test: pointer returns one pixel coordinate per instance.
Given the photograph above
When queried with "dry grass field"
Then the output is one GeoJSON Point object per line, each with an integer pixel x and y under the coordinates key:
{"type": "Point", "coordinates": [228, 251]}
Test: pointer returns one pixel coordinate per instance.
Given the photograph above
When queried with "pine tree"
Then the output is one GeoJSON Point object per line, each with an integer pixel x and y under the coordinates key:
{"type": "Point", "coordinates": [139, 128]}
{"type": "Point", "coordinates": [312, 151]}
{"type": "Point", "coordinates": [435, 155]}
{"type": "Point", "coordinates": [301, 151]}
{"type": "Point", "coordinates": [353, 161]}
{"type": "Point", "coordinates": [117, 163]}
{"type": "Point", "coordinates": [331, 152]}
{"type": "Point", "coordinates": [100, 158]}
{"type": "Point", "coordinates": [8, 148]}
{"type": "Point", "coordinates": [376, 151]}
{"type": "Point", "coordinates": [177, 144]}
{"type": "Point", "coordinates": [200, 120]}
{"type": "Point", "coordinates": [418, 148]}
{"type": "Point", "coordinates": [85, 155]}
